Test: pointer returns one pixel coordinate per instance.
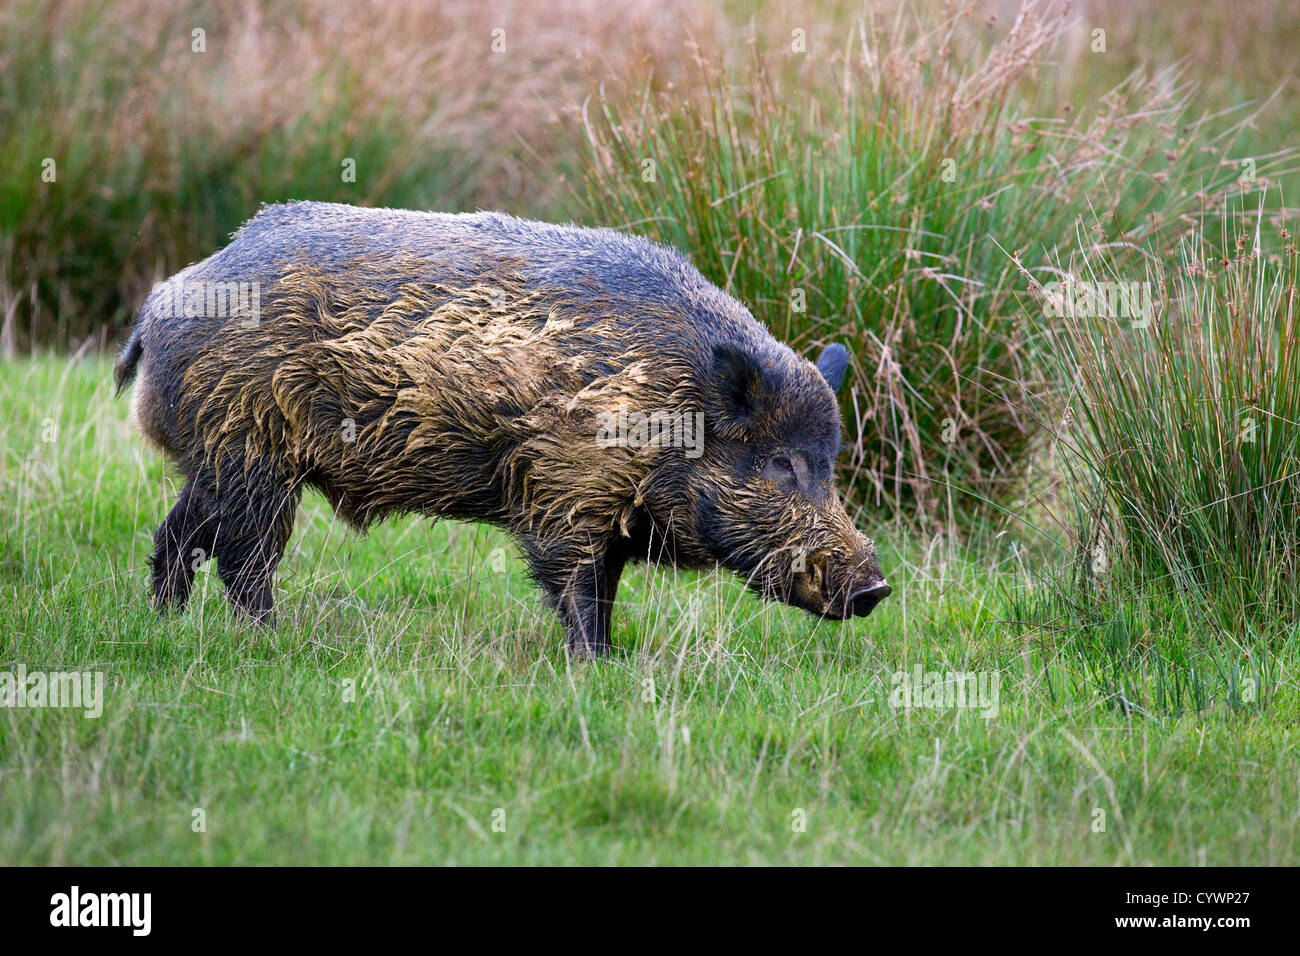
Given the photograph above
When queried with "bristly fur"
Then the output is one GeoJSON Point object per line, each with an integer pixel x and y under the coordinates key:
{"type": "Point", "coordinates": [459, 366]}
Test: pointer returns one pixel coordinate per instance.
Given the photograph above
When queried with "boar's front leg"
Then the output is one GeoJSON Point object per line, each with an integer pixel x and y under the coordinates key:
{"type": "Point", "coordinates": [581, 586]}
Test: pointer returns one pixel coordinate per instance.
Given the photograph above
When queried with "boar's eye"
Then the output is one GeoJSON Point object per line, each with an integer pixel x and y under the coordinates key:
{"type": "Point", "coordinates": [783, 470]}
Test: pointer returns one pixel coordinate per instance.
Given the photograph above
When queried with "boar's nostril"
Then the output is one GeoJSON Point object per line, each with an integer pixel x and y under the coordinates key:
{"type": "Point", "coordinates": [864, 602]}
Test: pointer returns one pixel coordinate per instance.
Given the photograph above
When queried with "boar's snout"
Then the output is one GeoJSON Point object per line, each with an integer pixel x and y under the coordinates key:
{"type": "Point", "coordinates": [863, 602]}
{"type": "Point", "coordinates": [839, 589]}
{"type": "Point", "coordinates": [857, 592]}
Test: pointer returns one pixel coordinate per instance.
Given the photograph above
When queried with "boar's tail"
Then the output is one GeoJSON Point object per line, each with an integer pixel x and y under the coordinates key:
{"type": "Point", "coordinates": [124, 371]}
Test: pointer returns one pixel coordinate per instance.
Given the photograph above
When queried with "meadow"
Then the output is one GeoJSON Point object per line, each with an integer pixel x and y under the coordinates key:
{"type": "Point", "coordinates": [415, 694]}
{"type": "Point", "coordinates": [1098, 515]}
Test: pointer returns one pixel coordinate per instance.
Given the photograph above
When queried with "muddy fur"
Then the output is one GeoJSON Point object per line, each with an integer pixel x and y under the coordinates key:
{"type": "Point", "coordinates": [460, 366]}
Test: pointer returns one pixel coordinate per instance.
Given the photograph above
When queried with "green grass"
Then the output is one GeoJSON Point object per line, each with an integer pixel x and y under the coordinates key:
{"type": "Point", "coordinates": [465, 703]}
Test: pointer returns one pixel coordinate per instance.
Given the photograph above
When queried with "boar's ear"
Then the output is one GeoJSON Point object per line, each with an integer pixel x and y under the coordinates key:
{"type": "Point", "coordinates": [743, 386]}
{"type": "Point", "coordinates": [832, 363]}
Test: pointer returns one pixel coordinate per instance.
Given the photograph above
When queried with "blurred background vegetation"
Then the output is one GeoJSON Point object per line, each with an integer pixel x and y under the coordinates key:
{"type": "Point", "coordinates": [160, 151]}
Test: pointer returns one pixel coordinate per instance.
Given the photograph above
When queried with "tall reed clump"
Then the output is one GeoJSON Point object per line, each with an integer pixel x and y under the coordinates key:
{"type": "Point", "coordinates": [1185, 426]}
{"type": "Point", "coordinates": [876, 195]}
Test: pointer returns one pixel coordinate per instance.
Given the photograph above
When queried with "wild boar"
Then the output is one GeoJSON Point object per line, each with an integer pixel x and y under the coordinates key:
{"type": "Point", "coordinates": [587, 391]}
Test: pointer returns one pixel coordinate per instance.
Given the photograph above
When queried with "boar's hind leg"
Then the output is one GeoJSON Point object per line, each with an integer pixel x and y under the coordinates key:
{"type": "Point", "coordinates": [255, 512]}
{"type": "Point", "coordinates": [183, 542]}
{"type": "Point", "coordinates": [582, 589]}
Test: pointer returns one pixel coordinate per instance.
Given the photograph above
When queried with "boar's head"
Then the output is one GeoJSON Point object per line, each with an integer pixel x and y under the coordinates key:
{"type": "Point", "coordinates": [763, 490]}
